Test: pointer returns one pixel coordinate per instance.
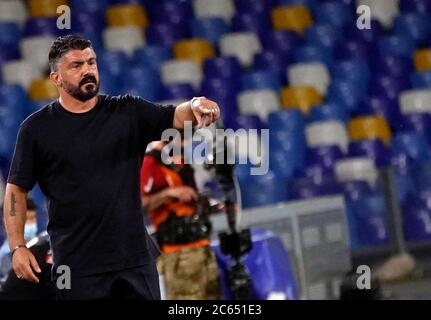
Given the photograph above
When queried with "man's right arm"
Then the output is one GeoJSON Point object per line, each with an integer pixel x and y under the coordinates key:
{"type": "Point", "coordinates": [14, 216]}
{"type": "Point", "coordinates": [181, 193]}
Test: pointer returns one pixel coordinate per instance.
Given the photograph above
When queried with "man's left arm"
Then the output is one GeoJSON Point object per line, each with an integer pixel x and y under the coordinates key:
{"type": "Point", "coordinates": [199, 110]}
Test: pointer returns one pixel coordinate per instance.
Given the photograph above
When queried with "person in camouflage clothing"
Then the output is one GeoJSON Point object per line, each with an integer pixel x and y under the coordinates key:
{"type": "Point", "coordinates": [170, 197]}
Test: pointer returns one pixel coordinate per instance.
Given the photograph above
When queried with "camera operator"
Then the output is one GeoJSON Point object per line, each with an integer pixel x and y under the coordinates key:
{"type": "Point", "coordinates": [180, 218]}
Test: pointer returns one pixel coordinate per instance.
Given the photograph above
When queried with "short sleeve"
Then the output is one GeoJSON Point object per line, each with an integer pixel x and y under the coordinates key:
{"type": "Point", "coordinates": [153, 118]}
{"type": "Point", "coordinates": [152, 178]}
{"type": "Point", "coordinates": [23, 167]}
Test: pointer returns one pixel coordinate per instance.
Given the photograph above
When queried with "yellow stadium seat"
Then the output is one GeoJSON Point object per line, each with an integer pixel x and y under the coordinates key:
{"type": "Point", "coordinates": [127, 15]}
{"type": "Point", "coordinates": [369, 127]}
{"type": "Point", "coordinates": [302, 97]}
{"type": "Point", "coordinates": [422, 59]}
{"type": "Point", "coordinates": [296, 18]}
{"type": "Point", "coordinates": [43, 89]}
{"type": "Point", "coordinates": [197, 50]}
{"type": "Point", "coordinates": [44, 8]}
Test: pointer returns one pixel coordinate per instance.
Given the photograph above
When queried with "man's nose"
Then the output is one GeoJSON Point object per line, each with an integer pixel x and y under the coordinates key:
{"type": "Point", "coordinates": [89, 69]}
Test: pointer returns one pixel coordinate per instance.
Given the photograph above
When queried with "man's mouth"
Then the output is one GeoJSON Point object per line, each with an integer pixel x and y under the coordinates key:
{"type": "Point", "coordinates": [93, 81]}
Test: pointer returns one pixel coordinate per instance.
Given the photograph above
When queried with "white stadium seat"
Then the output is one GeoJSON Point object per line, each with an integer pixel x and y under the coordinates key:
{"type": "Point", "coordinates": [260, 102]}
{"type": "Point", "coordinates": [356, 169]}
{"type": "Point", "coordinates": [327, 133]}
{"type": "Point", "coordinates": [415, 101]}
{"type": "Point", "coordinates": [315, 74]}
{"type": "Point", "coordinates": [181, 71]}
{"type": "Point", "coordinates": [384, 11]}
{"type": "Point", "coordinates": [36, 50]}
{"type": "Point", "coordinates": [242, 45]}
{"type": "Point", "coordinates": [126, 39]}
{"type": "Point", "coordinates": [20, 72]}
{"type": "Point", "coordinates": [13, 11]}
{"type": "Point", "coordinates": [214, 8]}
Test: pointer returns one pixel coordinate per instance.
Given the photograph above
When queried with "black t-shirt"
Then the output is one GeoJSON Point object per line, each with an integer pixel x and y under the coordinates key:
{"type": "Point", "coordinates": [88, 166]}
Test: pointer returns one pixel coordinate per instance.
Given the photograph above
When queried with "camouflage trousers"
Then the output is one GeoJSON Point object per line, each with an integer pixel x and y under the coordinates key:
{"type": "Point", "coordinates": [190, 274]}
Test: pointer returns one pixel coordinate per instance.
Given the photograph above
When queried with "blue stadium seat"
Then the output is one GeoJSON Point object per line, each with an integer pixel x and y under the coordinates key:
{"type": "Point", "coordinates": [115, 2]}
{"type": "Point", "coordinates": [151, 56]}
{"type": "Point", "coordinates": [246, 121]}
{"type": "Point", "coordinates": [174, 12]}
{"type": "Point", "coordinates": [374, 149]}
{"type": "Point", "coordinates": [89, 5]}
{"type": "Point", "coordinates": [254, 6]}
{"type": "Point", "coordinates": [420, 122]}
{"type": "Point", "coordinates": [178, 91]}
{"type": "Point", "coordinates": [353, 190]}
{"type": "Point", "coordinates": [324, 156]}
{"type": "Point", "coordinates": [260, 79]}
{"type": "Point", "coordinates": [417, 222]}
{"type": "Point", "coordinates": [421, 175]}
{"type": "Point", "coordinates": [229, 109]}
{"type": "Point", "coordinates": [413, 25]}
{"type": "Point", "coordinates": [283, 163]}
{"type": "Point", "coordinates": [313, 5]}
{"type": "Point", "coordinates": [285, 41]}
{"type": "Point", "coordinates": [274, 60]}
{"type": "Point", "coordinates": [345, 93]}
{"type": "Point", "coordinates": [13, 110]}
{"type": "Point", "coordinates": [219, 88]}
{"type": "Point", "coordinates": [397, 45]}
{"type": "Point", "coordinates": [389, 86]}
{"type": "Point", "coordinates": [290, 120]}
{"type": "Point", "coordinates": [355, 70]}
{"type": "Point", "coordinates": [10, 34]}
{"type": "Point", "coordinates": [392, 65]}
{"type": "Point", "coordinates": [412, 144]}
{"type": "Point", "coordinates": [9, 53]}
{"type": "Point", "coordinates": [222, 67]}
{"type": "Point", "coordinates": [326, 35]}
{"type": "Point", "coordinates": [251, 22]}
{"type": "Point", "coordinates": [421, 80]}
{"type": "Point", "coordinates": [88, 22]}
{"type": "Point", "coordinates": [42, 26]}
{"type": "Point", "coordinates": [419, 6]}
{"type": "Point", "coordinates": [211, 28]}
{"type": "Point", "coordinates": [142, 81]}
{"type": "Point", "coordinates": [380, 105]}
{"type": "Point", "coordinates": [110, 84]}
{"type": "Point", "coordinates": [354, 48]}
{"type": "Point", "coordinates": [112, 62]}
{"type": "Point", "coordinates": [164, 33]}
{"type": "Point", "coordinates": [371, 220]}
{"type": "Point", "coordinates": [329, 111]}
{"type": "Point", "coordinates": [308, 187]}
{"type": "Point", "coordinates": [251, 190]}
{"type": "Point", "coordinates": [313, 53]}
{"type": "Point", "coordinates": [333, 12]}
{"type": "Point", "coordinates": [371, 35]}
{"type": "Point", "coordinates": [268, 264]}
{"type": "Point", "coordinates": [403, 166]}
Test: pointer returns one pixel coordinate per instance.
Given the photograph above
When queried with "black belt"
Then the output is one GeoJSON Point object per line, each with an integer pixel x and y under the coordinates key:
{"type": "Point", "coordinates": [179, 230]}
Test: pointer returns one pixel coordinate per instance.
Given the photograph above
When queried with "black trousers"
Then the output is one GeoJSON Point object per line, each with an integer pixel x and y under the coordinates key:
{"type": "Point", "coordinates": [140, 283]}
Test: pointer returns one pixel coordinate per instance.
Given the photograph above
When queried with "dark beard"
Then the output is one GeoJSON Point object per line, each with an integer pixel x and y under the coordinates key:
{"type": "Point", "coordinates": [80, 94]}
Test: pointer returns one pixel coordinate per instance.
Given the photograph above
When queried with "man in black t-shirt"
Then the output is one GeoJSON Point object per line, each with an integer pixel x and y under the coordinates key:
{"type": "Point", "coordinates": [85, 150]}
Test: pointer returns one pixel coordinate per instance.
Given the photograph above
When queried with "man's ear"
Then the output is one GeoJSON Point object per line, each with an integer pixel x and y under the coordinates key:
{"type": "Point", "coordinates": [55, 77]}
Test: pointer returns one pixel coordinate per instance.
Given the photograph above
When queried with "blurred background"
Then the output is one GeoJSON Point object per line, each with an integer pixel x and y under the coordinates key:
{"type": "Point", "coordinates": [348, 112]}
